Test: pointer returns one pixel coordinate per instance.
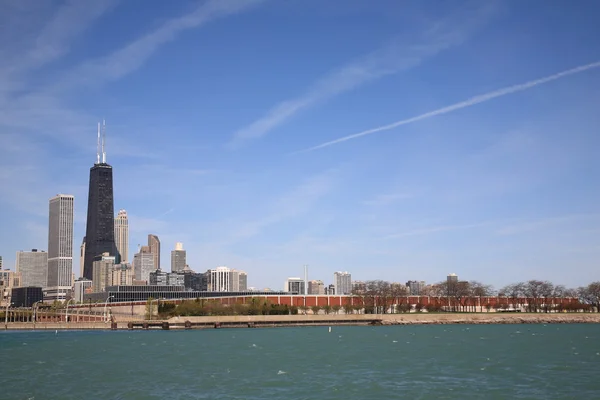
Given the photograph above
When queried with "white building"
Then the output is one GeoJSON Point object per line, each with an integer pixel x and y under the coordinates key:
{"type": "Point", "coordinates": [60, 247]}
{"type": "Point", "coordinates": [32, 266]}
{"type": "Point", "coordinates": [122, 235]}
{"type": "Point", "coordinates": [342, 282]}
{"type": "Point", "coordinates": [294, 285]}
{"type": "Point", "coordinates": [224, 279]}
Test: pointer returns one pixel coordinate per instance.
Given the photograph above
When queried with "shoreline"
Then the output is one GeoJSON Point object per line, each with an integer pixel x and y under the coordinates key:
{"type": "Point", "coordinates": [264, 321]}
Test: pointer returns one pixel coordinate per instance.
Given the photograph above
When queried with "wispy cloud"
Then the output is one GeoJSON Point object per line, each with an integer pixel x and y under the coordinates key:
{"type": "Point", "coordinates": [135, 54]}
{"type": "Point", "coordinates": [393, 58]}
{"type": "Point", "coordinates": [546, 223]}
{"type": "Point", "coordinates": [435, 229]}
{"type": "Point", "coordinates": [72, 19]}
{"type": "Point", "coordinates": [463, 104]}
{"type": "Point", "coordinates": [291, 204]}
{"type": "Point", "coordinates": [387, 199]}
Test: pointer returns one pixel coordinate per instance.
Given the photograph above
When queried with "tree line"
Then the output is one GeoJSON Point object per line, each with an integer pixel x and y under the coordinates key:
{"type": "Point", "coordinates": [378, 296]}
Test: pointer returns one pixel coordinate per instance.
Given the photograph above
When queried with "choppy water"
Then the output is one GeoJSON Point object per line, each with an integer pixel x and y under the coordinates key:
{"type": "Point", "coordinates": [408, 362]}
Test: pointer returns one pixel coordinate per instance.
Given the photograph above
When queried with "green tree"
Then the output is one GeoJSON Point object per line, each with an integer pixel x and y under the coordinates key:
{"type": "Point", "coordinates": [315, 309]}
{"type": "Point", "coordinates": [336, 309]}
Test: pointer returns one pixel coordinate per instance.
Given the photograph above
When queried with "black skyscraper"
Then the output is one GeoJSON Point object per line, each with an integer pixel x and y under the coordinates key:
{"type": "Point", "coordinates": [100, 228]}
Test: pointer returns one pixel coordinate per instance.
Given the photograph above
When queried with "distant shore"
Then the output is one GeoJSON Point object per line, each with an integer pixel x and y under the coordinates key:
{"type": "Point", "coordinates": [258, 321]}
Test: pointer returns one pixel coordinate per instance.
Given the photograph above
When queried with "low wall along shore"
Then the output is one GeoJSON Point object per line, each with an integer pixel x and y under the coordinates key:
{"type": "Point", "coordinates": [308, 320]}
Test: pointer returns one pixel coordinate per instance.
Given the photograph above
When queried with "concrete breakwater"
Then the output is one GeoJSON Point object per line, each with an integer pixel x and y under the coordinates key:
{"type": "Point", "coordinates": [257, 321]}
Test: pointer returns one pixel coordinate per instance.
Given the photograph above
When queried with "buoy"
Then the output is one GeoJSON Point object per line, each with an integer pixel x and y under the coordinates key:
{"type": "Point", "coordinates": [329, 329]}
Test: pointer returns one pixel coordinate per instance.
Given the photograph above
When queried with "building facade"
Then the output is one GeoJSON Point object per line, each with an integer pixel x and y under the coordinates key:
{"type": "Point", "coordinates": [342, 282]}
{"type": "Point", "coordinates": [80, 288]}
{"type": "Point", "coordinates": [294, 285]}
{"type": "Point", "coordinates": [8, 281]}
{"type": "Point", "coordinates": [81, 257]}
{"type": "Point", "coordinates": [143, 265]}
{"type": "Point", "coordinates": [154, 245]}
{"type": "Point", "coordinates": [60, 246]}
{"type": "Point", "coordinates": [26, 296]}
{"type": "Point", "coordinates": [122, 236]}
{"type": "Point", "coordinates": [178, 258]}
{"type": "Point", "coordinates": [121, 274]}
{"type": "Point", "coordinates": [102, 272]}
{"type": "Point", "coordinates": [32, 266]}
{"type": "Point", "coordinates": [162, 278]}
{"type": "Point", "coordinates": [100, 227]}
{"type": "Point", "coordinates": [224, 279]}
{"type": "Point", "coordinates": [316, 287]}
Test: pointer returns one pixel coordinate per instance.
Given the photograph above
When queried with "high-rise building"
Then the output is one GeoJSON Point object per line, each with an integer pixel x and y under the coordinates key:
{"type": "Point", "coordinates": [154, 244]}
{"type": "Point", "coordinates": [102, 272]}
{"type": "Point", "coordinates": [316, 287]}
{"type": "Point", "coordinates": [242, 281]}
{"type": "Point", "coordinates": [121, 274]}
{"type": "Point", "coordinates": [178, 258]}
{"type": "Point", "coordinates": [81, 257]}
{"type": "Point", "coordinates": [0, 263]}
{"type": "Point", "coordinates": [100, 228]}
{"type": "Point", "coordinates": [143, 265]}
{"type": "Point", "coordinates": [452, 278]}
{"type": "Point", "coordinates": [342, 282]}
{"type": "Point", "coordinates": [294, 285]}
{"type": "Point", "coordinates": [122, 235]}
{"type": "Point", "coordinates": [60, 242]}
{"type": "Point", "coordinates": [32, 266]}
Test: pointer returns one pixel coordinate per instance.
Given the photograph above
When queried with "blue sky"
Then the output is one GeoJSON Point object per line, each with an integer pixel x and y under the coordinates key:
{"type": "Point", "coordinates": [223, 120]}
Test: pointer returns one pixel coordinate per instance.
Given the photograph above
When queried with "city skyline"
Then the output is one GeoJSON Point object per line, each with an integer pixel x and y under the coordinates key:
{"type": "Point", "coordinates": [394, 142]}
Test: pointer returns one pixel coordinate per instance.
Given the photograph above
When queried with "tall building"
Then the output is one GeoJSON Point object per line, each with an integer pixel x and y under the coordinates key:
{"type": "Point", "coordinates": [342, 282]}
{"type": "Point", "coordinates": [102, 272]}
{"type": "Point", "coordinates": [60, 242]}
{"type": "Point", "coordinates": [32, 266]}
{"type": "Point", "coordinates": [81, 257]}
{"type": "Point", "coordinates": [100, 228]}
{"type": "Point", "coordinates": [242, 281]}
{"type": "Point", "coordinates": [452, 278]}
{"type": "Point", "coordinates": [121, 274]}
{"type": "Point", "coordinates": [178, 258]}
{"type": "Point", "coordinates": [0, 263]}
{"type": "Point", "coordinates": [316, 287]}
{"type": "Point", "coordinates": [122, 235]}
{"type": "Point", "coordinates": [154, 244]}
{"type": "Point", "coordinates": [143, 265]}
{"type": "Point", "coordinates": [294, 285]}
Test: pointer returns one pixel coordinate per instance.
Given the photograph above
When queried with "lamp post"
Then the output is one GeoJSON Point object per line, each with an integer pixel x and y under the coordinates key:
{"type": "Point", "coordinates": [105, 304]}
{"type": "Point", "coordinates": [67, 311]}
{"type": "Point", "coordinates": [8, 304]}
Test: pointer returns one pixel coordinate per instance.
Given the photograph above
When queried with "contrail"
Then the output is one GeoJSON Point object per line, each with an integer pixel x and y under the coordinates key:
{"type": "Point", "coordinates": [463, 104]}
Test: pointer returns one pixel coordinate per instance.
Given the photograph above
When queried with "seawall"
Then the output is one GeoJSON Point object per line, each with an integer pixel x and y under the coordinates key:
{"type": "Point", "coordinates": [314, 320]}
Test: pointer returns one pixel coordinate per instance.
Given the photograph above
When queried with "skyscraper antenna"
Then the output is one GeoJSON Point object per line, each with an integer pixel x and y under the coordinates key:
{"type": "Point", "coordinates": [98, 146]}
{"type": "Point", "coordinates": [103, 141]}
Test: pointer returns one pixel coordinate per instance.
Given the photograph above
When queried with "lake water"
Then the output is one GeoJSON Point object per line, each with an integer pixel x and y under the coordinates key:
{"type": "Point", "coordinates": [386, 362]}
